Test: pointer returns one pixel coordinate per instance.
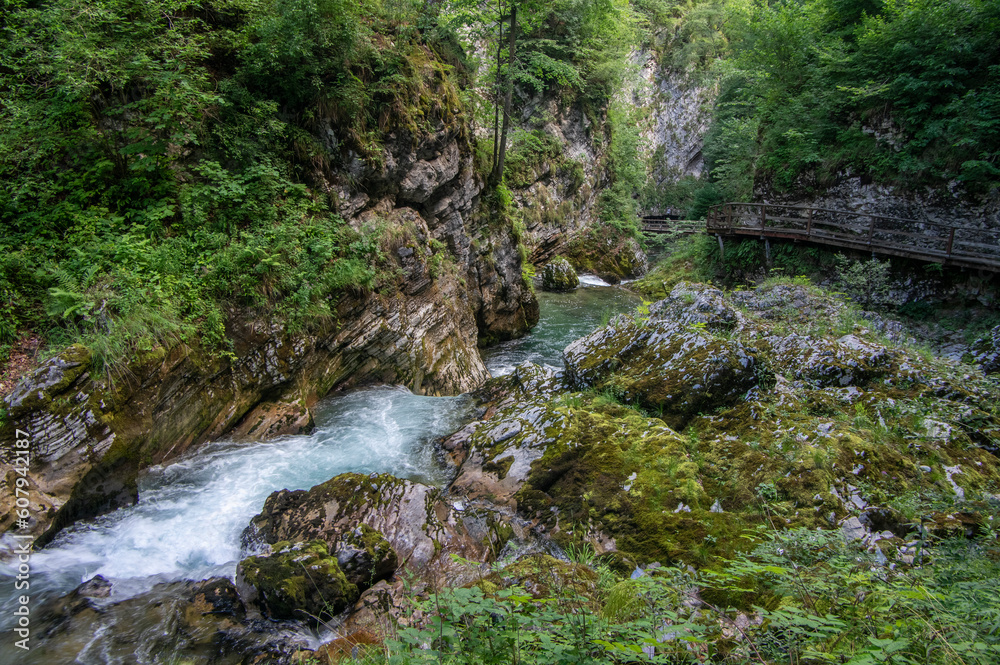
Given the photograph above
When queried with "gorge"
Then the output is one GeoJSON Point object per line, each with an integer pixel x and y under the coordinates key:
{"type": "Point", "coordinates": [310, 353]}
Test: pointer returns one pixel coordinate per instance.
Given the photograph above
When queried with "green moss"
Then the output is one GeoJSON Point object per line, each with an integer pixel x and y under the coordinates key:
{"type": "Point", "coordinates": [301, 581]}
{"type": "Point", "coordinates": [499, 467]}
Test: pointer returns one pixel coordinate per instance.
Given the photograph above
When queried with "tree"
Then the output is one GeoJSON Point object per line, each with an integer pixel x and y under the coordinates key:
{"type": "Point", "coordinates": [483, 23]}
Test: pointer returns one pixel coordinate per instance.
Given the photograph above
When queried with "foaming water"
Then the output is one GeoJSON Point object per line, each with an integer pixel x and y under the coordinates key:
{"type": "Point", "coordinates": [188, 520]}
{"type": "Point", "coordinates": [564, 318]}
{"type": "Point", "coordinates": [592, 280]}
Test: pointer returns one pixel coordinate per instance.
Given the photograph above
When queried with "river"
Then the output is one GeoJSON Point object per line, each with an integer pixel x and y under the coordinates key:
{"type": "Point", "coordinates": [190, 514]}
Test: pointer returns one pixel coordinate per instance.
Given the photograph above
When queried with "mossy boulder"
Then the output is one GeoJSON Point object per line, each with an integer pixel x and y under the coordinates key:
{"type": "Point", "coordinates": [302, 582]}
{"type": "Point", "coordinates": [408, 524]}
{"type": "Point", "coordinates": [558, 275]}
{"type": "Point", "coordinates": [610, 254]}
{"type": "Point", "coordinates": [675, 371]}
{"type": "Point", "coordinates": [38, 388]}
{"type": "Point", "coordinates": [587, 469]}
{"type": "Point", "coordinates": [544, 576]}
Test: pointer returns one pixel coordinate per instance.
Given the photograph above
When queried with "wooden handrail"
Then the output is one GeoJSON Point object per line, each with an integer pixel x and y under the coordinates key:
{"type": "Point", "coordinates": [945, 243]}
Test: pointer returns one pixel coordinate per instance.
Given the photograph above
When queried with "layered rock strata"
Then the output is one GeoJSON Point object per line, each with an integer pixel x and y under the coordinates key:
{"type": "Point", "coordinates": [459, 284]}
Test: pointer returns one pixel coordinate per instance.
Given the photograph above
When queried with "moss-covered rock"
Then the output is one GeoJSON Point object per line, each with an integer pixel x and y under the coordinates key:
{"type": "Point", "coordinates": [301, 581]}
{"type": "Point", "coordinates": [836, 428]}
{"type": "Point", "coordinates": [610, 254]}
{"type": "Point", "coordinates": [669, 361]}
{"type": "Point", "coordinates": [37, 389]}
{"type": "Point", "coordinates": [420, 528]}
{"type": "Point", "coordinates": [558, 275]}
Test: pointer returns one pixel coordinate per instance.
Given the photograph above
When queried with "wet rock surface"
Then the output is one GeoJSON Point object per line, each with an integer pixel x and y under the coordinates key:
{"type": "Point", "coordinates": [203, 622]}
{"type": "Point", "coordinates": [422, 528]}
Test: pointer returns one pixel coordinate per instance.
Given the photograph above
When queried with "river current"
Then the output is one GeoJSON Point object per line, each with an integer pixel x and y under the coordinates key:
{"type": "Point", "coordinates": [190, 514]}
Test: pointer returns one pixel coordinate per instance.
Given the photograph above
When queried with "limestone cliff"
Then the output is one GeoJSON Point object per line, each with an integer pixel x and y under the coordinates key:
{"type": "Point", "coordinates": [458, 282]}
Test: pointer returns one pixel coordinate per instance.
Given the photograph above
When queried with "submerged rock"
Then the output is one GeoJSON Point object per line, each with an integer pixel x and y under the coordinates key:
{"type": "Point", "coordinates": [558, 275]}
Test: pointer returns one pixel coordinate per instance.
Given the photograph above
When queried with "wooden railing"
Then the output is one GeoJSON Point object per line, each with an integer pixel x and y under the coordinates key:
{"type": "Point", "coordinates": [668, 225]}
{"type": "Point", "coordinates": [910, 238]}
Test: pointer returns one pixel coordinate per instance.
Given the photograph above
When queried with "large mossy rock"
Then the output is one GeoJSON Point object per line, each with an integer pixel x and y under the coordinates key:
{"type": "Point", "coordinates": [377, 522]}
{"type": "Point", "coordinates": [558, 275]}
{"type": "Point", "coordinates": [610, 254]}
{"type": "Point", "coordinates": [587, 469]}
{"type": "Point", "coordinates": [296, 582]}
{"type": "Point", "coordinates": [678, 361]}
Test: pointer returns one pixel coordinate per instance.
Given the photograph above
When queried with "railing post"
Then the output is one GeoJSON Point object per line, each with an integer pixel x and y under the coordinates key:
{"type": "Point", "coordinates": [871, 229]}
{"type": "Point", "coordinates": [729, 217]}
{"type": "Point", "coordinates": [809, 223]}
{"type": "Point", "coordinates": [951, 241]}
{"type": "Point", "coordinates": [763, 216]}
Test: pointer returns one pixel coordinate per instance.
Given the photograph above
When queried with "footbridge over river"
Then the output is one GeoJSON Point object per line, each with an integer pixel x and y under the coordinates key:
{"type": "Point", "coordinates": [881, 234]}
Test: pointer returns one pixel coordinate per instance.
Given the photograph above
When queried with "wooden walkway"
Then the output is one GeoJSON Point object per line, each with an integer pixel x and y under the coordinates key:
{"type": "Point", "coordinates": [670, 225]}
{"type": "Point", "coordinates": [909, 238]}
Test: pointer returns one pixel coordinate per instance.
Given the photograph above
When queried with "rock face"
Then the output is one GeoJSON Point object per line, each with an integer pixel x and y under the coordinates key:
{"type": "Point", "coordinates": [559, 275]}
{"type": "Point", "coordinates": [985, 352]}
{"type": "Point", "coordinates": [296, 582]}
{"type": "Point", "coordinates": [679, 111]}
{"type": "Point", "coordinates": [91, 435]}
{"type": "Point", "coordinates": [855, 193]}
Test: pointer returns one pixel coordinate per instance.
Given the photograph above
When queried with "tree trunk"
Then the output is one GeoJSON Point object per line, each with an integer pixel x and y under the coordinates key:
{"type": "Point", "coordinates": [497, 175]}
{"type": "Point", "coordinates": [496, 91]}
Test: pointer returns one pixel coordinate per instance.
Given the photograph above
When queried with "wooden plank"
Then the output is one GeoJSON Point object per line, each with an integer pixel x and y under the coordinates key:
{"type": "Point", "coordinates": [855, 230]}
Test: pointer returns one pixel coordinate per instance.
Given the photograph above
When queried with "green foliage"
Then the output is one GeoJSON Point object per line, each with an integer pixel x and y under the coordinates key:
{"type": "Point", "coordinates": [904, 91]}
{"type": "Point", "coordinates": [528, 154]}
{"type": "Point", "coordinates": [158, 160]}
{"type": "Point", "coordinates": [868, 283]}
{"type": "Point", "coordinates": [619, 202]}
{"type": "Point", "coordinates": [574, 49]}
{"type": "Point", "coordinates": [800, 596]}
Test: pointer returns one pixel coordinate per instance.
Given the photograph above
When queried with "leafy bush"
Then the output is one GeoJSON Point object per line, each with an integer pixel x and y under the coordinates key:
{"type": "Point", "coordinates": [868, 283]}
{"type": "Point", "coordinates": [799, 596]}
{"type": "Point", "coordinates": [903, 91]}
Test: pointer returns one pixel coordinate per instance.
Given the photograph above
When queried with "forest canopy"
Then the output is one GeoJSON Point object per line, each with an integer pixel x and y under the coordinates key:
{"type": "Point", "coordinates": [904, 92]}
